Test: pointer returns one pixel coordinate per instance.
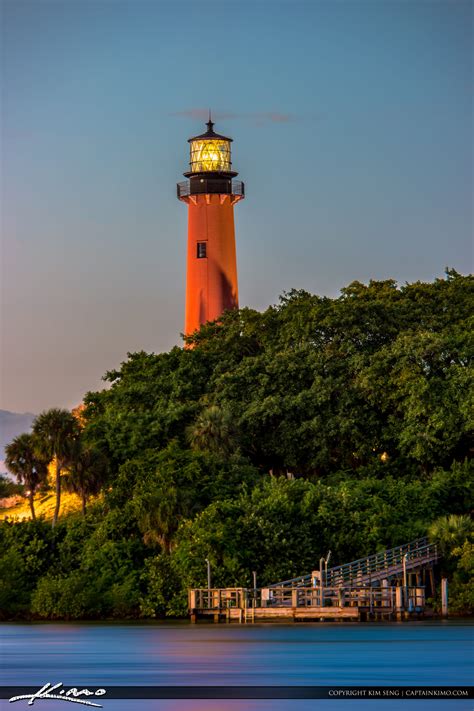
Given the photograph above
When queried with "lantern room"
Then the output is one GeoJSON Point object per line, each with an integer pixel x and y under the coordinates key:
{"type": "Point", "coordinates": [210, 167]}
{"type": "Point", "coordinates": [210, 152]}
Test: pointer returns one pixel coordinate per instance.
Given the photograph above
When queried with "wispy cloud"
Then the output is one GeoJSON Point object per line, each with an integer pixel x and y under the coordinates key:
{"type": "Point", "coordinates": [259, 118]}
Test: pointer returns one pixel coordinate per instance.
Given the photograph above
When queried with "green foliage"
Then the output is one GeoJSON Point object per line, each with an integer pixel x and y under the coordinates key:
{"type": "Point", "coordinates": [462, 588]}
{"type": "Point", "coordinates": [321, 424]}
{"type": "Point", "coordinates": [281, 528]}
{"type": "Point", "coordinates": [87, 471]}
{"type": "Point", "coordinates": [9, 487]}
{"type": "Point", "coordinates": [454, 535]}
{"type": "Point", "coordinates": [95, 572]}
{"type": "Point", "coordinates": [165, 593]}
{"type": "Point", "coordinates": [214, 431]}
{"type": "Point", "coordinates": [55, 432]}
{"type": "Point", "coordinates": [450, 532]}
{"type": "Point", "coordinates": [26, 553]}
{"type": "Point", "coordinates": [29, 467]}
{"type": "Point", "coordinates": [60, 598]}
{"type": "Point", "coordinates": [174, 484]}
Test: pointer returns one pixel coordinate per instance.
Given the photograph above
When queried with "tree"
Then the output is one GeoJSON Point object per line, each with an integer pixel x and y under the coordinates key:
{"type": "Point", "coordinates": [165, 491]}
{"type": "Point", "coordinates": [87, 471]}
{"type": "Point", "coordinates": [9, 487]}
{"type": "Point", "coordinates": [213, 431]}
{"type": "Point", "coordinates": [55, 431]}
{"type": "Point", "coordinates": [30, 468]}
{"type": "Point", "coordinates": [450, 532]}
{"type": "Point", "coordinates": [174, 484]}
{"type": "Point", "coordinates": [26, 554]}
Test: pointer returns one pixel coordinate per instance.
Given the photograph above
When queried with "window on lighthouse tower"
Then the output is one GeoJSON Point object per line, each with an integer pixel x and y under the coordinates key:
{"type": "Point", "coordinates": [201, 250]}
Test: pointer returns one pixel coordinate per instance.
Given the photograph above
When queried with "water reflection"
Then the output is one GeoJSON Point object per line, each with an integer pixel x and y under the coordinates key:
{"type": "Point", "coordinates": [94, 655]}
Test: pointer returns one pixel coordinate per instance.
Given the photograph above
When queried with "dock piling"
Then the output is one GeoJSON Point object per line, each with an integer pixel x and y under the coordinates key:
{"type": "Point", "coordinates": [444, 597]}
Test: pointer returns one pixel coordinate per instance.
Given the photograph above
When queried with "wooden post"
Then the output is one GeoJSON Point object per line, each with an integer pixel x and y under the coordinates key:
{"type": "Point", "coordinates": [432, 582]}
{"type": "Point", "coordinates": [405, 581]}
{"type": "Point", "coordinates": [341, 597]}
{"type": "Point", "coordinates": [420, 599]}
{"type": "Point", "coordinates": [444, 597]}
{"type": "Point", "coordinates": [399, 602]}
{"type": "Point", "coordinates": [294, 597]}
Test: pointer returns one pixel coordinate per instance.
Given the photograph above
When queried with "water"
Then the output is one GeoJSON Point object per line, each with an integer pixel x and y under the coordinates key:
{"type": "Point", "coordinates": [101, 655]}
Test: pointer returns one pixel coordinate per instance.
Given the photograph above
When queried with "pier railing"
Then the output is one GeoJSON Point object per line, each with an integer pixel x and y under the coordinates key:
{"type": "Point", "coordinates": [371, 569]}
{"type": "Point", "coordinates": [381, 565]}
{"type": "Point", "coordinates": [389, 597]}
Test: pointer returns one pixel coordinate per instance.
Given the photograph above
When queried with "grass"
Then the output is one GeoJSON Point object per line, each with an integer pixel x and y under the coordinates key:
{"type": "Point", "coordinates": [44, 507]}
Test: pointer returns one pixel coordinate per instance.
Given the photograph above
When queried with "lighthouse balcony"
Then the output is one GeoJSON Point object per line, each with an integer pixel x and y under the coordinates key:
{"type": "Point", "coordinates": [210, 186]}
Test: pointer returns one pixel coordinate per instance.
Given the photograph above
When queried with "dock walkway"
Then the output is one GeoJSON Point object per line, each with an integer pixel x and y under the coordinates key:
{"type": "Point", "coordinates": [387, 585]}
{"type": "Point", "coordinates": [413, 557]}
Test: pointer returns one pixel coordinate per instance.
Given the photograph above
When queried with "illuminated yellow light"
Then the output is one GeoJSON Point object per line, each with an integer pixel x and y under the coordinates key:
{"type": "Point", "coordinates": [209, 155]}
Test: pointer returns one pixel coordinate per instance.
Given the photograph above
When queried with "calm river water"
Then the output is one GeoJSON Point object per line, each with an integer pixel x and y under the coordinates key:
{"type": "Point", "coordinates": [101, 655]}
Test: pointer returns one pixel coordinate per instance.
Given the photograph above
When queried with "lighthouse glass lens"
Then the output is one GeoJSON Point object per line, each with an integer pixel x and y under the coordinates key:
{"type": "Point", "coordinates": [210, 155]}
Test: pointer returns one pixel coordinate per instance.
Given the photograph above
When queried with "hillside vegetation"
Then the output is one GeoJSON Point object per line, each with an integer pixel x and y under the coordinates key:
{"type": "Point", "coordinates": [342, 424]}
{"type": "Point", "coordinates": [45, 504]}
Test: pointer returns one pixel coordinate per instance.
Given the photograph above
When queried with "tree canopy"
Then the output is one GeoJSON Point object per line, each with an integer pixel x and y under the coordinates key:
{"type": "Point", "coordinates": [342, 424]}
{"type": "Point", "coordinates": [311, 386]}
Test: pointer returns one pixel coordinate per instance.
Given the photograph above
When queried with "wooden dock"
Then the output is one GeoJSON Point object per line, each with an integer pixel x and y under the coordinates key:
{"type": "Point", "coordinates": [272, 604]}
{"type": "Point", "coordinates": [387, 585]}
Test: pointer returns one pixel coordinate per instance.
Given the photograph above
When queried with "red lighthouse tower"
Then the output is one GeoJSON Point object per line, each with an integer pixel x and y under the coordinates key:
{"type": "Point", "coordinates": [210, 192]}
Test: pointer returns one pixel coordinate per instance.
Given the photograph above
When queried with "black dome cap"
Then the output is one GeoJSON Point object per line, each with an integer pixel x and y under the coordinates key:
{"type": "Point", "coordinates": [210, 133]}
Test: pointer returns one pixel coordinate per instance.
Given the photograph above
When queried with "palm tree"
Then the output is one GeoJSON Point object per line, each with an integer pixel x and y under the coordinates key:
{"type": "Point", "coordinates": [55, 431]}
{"type": "Point", "coordinates": [158, 514]}
{"type": "Point", "coordinates": [22, 460]}
{"type": "Point", "coordinates": [450, 532]}
{"type": "Point", "coordinates": [214, 430]}
{"type": "Point", "coordinates": [87, 472]}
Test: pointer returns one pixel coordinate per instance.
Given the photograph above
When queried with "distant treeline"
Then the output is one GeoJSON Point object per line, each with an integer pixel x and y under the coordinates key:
{"type": "Point", "coordinates": [342, 424]}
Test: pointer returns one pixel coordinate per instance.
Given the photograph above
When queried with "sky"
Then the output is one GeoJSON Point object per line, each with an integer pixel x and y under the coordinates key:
{"type": "Point", "coordinates": [352, 128]}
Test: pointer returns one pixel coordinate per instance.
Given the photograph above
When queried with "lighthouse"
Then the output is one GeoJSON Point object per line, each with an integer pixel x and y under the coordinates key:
{"type": "Point", "coordinates": [210, 192]}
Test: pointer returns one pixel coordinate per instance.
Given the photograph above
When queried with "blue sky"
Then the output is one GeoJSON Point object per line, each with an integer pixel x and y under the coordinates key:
{"type": "Point", "coordinates": [352, 127]}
